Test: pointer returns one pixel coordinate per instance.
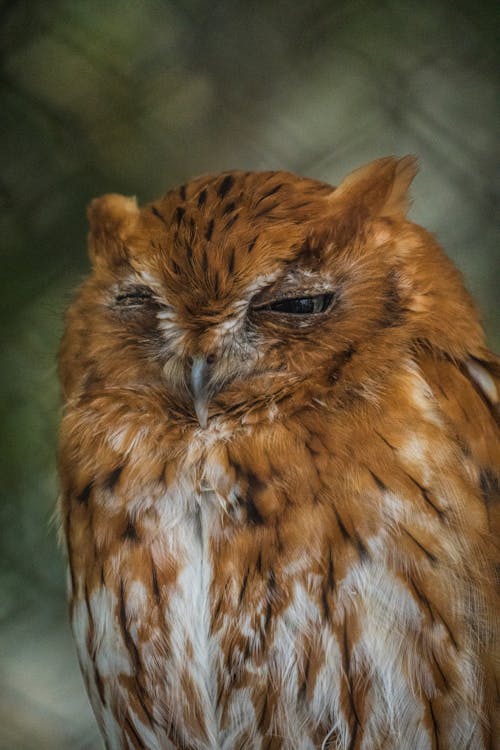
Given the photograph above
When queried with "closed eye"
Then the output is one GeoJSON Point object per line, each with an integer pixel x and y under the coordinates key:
{"type": "Point", "coordinates": [300, 305]}
{"type": "Point", "coordinates": [136, 295]}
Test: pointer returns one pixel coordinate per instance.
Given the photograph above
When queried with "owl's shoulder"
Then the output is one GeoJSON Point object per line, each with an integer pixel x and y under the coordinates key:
{"type": "Point", "coordinates": [467, 393]}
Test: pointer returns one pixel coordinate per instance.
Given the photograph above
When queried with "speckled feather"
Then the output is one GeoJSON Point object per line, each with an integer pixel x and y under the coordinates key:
{"type": "Point", "coordinates": [301, 554]}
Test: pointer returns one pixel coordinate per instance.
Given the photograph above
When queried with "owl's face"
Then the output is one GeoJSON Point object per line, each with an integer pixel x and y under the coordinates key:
{"type": "Point", "coordinates": [235, 291]}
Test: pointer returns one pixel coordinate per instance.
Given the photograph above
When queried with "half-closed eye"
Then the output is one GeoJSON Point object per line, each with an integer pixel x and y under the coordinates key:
{"type": "Point", "coordinates": [300, 305]}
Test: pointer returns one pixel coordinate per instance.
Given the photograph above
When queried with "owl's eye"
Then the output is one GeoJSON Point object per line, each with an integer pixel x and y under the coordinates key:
{"type": "Point", "coordinates": [134, 296]}
{"type": "Point", "coordinates": [301, 305]}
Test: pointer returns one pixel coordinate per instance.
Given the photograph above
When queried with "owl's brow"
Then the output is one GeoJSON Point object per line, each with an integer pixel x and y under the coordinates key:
{"type": "Point", "coordinates": [261, 282]}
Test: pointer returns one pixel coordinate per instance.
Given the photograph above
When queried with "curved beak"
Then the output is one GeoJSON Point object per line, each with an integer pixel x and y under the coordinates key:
{"type": "Point", "coordinates": [201, 369]}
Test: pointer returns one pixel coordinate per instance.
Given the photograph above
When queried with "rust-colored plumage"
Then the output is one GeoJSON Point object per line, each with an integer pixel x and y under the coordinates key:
{"type": "Point", "coordinates": [280, 470]}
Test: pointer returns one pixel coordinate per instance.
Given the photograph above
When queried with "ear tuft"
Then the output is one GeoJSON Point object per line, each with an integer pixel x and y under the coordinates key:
{"type": "Point", "coordinates": [380, 188]}
{"type": "Point", "coordinates": [398, 200]}
{"type": "Point", "coordinates": [111, 212]}
{"type": "Point", "coordinates": [111, 219]}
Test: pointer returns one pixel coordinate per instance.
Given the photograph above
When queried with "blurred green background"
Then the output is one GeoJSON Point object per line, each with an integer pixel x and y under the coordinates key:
{"type": "Point", "coordinates": [135, 97]}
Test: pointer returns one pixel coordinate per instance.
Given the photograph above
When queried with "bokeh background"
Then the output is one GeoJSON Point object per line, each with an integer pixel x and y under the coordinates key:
{"type": "Point", "coordinates": [136, 96]}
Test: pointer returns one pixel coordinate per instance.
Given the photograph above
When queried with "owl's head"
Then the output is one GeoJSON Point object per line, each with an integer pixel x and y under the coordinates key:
{"type": "Point", "coordinates": [235, 292]}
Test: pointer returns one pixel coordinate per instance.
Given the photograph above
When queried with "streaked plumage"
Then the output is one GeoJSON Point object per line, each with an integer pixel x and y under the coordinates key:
{"type": "Point", "coordinates": [281, 525]}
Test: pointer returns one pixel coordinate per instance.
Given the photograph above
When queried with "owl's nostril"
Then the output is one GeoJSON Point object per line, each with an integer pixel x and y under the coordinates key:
{"type": "Point", "coordinates": [208, 358]}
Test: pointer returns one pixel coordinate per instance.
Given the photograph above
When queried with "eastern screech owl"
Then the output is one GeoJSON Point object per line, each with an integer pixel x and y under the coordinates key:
{"type": "Point", "coordinates": [280, 464]}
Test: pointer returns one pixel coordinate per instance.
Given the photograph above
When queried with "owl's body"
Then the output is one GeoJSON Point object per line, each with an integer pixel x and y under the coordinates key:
{"type": "Point", "coordinates": [280, 466]}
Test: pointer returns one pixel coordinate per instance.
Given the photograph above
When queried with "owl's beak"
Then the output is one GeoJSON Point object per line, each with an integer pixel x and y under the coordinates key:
{"type": "Point", "coordinates": [200, 377]}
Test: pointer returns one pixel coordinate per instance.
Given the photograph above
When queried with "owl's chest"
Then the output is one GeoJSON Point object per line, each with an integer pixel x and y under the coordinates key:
{"type": "Point", "coordinates": [196, 619]}
{"type": "Point", "coordinates": [241, 605]}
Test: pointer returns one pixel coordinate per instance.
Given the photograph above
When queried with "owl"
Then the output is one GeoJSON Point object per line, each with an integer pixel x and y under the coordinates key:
{"type": "Point", "coordinates": [280, 472]}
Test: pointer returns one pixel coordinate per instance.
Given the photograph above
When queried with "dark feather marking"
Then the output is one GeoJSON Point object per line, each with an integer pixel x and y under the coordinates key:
{"type": "Point", "coordinates": [252, 245]}
{"type": "Point", "coordinates": [279, 541]}
{"type": "Point", "coordinates": [269, 193]}
{"type": "Point", "coordinates": [154, 582]}
{"type": "Point", "coordinates": [464, 411]}
{"type": "Point", "coordinates": [204, 261]}
{"type": "Point", "coordinates": [361, 547]}
{"type": "Point", "coordinates": [209, 230]}
{"type": "Point", "coordinates": [325, 603]}
{"type": "Point", "coordinates": [328, 585]}
{"type": "Point", "coordinates": [130, 532]}
{"type": "Point", "coordinates": [258, 563]}
{"type": "Point", "coordinates": [182, 192]}
{"type": "Point", "coordinates": [270, 742]}
{"type": "Point", "coordinates": [267, 616]}
{"type": "Point", "coordinates": [158, 215]}
{"type": "Point", "coordinates": [354, 735]}
{"type": "Point", "coordinates": [202, 197]}
{"type": "Point", "coordinates": [266, 211]}
{"type": "Point", "coordinates": [422, 597]}
{"type": "Point", "coordinates": [380, 484]}
{"type": "Point", "coordinates": [347, 670]}
{"type": "Point", "coordinates": [132, 730]}
{"type": "Point", "coordinates": [255, 486]}
{"type": "Point", "coordinates": [303, 687]}
{"type": "Point", "coordinates": [246, 650]}
{"type": "Point", "coordinates": [83, 497]}
{"type": "Point", "coordinates": [393, 313]}
{"type": "Point", "coordinates": [340, 523]}
{"type": "Point", "coordinates": [434, 727]}
{"type": "Point", "coordinates": [231, 221]}
{"type": "Point", "coordinates": [113, 478]}
{"type": "Point", "coordinates": [330, 575]}
{"type": "Point", "coordinates": [389, 445]}
{"type": "Point", "coordinates": [430, 556]}
{"type": "Point", "coordinates": [217, 609]}
{"type": "Point", "coordinates": [464, 447]}
{"type": "Point", "coordinates": [272, 590]}
{"type": "Point", "coordinates": [433, 611]}
{"type": "Point", "coordinates": [91, 648]}
{"type": "Point", "coordinates": [90, 633]}
{"type": "Point", "coordinates": [425, 494]}
{"type": "Point", "coordinates": [254, 483]}
{"type": "Point", "coordinates": [225, 186]}
{"type": "Point", "coordinates": [490, 486]}
{"type": "Point", "coordinates": [263, 713]}
{"type": "Point", "coordinates": [140, 697]}
{"type": "Point", "coordinates": [229, 208]}
{"type": "Point", "coordinates": [442, 391]}
{"type": "Point", "coordinates": [253, 515]}
{"type": "Point", "coordinates": [438, 667]}
{"type": "Point", "coordinates": [129, 642]}
{"type": "Point", "coordinates": [179, 214]}
{"type": "Point", "coordinates": [243, 586]}
{"type": "Point", "coordinates": [100, 686]}
{"type": "Point", "coordinates": [301, 204]}
{"type": "Point", "coordinates": [176, 738]}
{"type": "Point", "coordinates": [221, 690]}
{"type": "Point", "coordinates": [230, 265]}
{"type": "Point", "coordinates": [340, 362]}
